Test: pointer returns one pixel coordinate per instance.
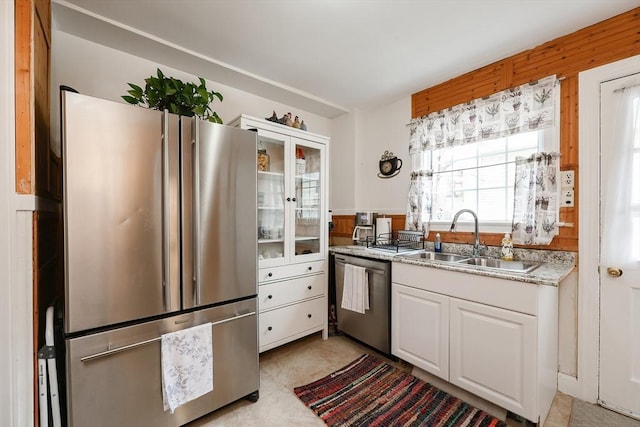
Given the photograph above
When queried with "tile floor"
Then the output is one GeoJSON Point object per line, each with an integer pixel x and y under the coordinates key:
{"type": "Point", "coordinates": [308, 359]}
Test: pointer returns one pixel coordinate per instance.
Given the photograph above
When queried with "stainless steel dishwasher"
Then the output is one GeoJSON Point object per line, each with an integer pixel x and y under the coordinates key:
{"type": "Point", "coordinates": [374, 327]}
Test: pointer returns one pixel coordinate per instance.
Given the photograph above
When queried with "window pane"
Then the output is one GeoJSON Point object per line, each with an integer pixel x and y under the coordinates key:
{"type": "Point", "coordinates": [492, 177]}
{"type": "Point", "coordinates": [469, 179]}
{"type": "Point", "coordinates": [492, 205]}
{"type": "Point", "coordinates": [480, 176]}
{"type": "Point", "coordinates": [523, 141]}
{"type": "Point", "coordinates": [494, 146]}
{"type": "Point", "coordinates": [465, 200]}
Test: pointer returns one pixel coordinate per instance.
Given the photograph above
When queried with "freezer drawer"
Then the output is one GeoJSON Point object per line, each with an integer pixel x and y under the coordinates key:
{"type": "Point", "coordinates": [114, 377]}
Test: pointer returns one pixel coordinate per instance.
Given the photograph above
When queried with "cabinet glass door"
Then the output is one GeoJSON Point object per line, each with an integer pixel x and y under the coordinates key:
{"type": "Point", "coordinates": [308, 209]}
{"type": "Point", "coordinates": [271, 191]}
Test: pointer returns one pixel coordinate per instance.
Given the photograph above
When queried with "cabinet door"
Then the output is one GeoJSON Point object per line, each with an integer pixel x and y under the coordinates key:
{"type": "Point", "coordinates": [308, 159]}
{"type": "Point", "coordinates": [420, 328]}
{"type": "Point", "coordinates": [272, 188]}
{"type": "Point", "coordinates": [493, 355]}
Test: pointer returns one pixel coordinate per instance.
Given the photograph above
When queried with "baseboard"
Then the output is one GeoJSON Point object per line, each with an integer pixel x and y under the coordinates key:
{"type": "Point", "coordinates": [568, 384]}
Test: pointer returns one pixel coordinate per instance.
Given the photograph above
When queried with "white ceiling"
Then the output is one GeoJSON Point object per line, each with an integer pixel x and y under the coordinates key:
{"type": "Point", "coordinates": [328, 56]}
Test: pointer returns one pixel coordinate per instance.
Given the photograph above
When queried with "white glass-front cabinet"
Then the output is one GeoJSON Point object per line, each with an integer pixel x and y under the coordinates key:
{"type": "Point", "coordinates": [292, 230]}
{"type": "Point", "coordinates": [290, 200]}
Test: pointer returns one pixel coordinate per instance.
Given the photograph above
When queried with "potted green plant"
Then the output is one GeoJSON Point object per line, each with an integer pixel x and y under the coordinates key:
{"type": "Point", "coordinates": [168, 93]}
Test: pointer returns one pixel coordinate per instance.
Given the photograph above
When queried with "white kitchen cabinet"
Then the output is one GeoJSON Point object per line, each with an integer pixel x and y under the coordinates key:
{"type": "Point", "coordinates": [420, 328]}
{"type": "Point", "coordinates": [492, 354]}
{"type": "Point", "coordinates": [292, 230]}
{"type": "Point", "coordinates": [495, 338]}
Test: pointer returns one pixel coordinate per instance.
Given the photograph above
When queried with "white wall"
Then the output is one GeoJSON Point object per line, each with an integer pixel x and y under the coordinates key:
{"type": "Point", "coordinates": [100, 71]}
{"type": "Point", "coordinates": [341, 171]}
{"type": "Point", "coordinates": [379, 130]}
{"type": "Point", "coordinates": [359, 140]}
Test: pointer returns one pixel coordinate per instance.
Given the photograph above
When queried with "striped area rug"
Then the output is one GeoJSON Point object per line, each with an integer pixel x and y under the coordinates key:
{"type": "Point", "coordinates": [369, 392]}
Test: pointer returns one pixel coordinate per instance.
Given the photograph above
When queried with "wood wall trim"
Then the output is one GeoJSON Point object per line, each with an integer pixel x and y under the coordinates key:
{"type": "Point", "coordinates": [24, 106]}
{"type": "Point", "coordinates": [602, 43]}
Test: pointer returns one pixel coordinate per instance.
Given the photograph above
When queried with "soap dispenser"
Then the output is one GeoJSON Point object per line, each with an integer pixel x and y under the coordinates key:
{"type": "Point", "coordinates": [507, 248]}
{"type": "Point", "coordinates": [437, 244]}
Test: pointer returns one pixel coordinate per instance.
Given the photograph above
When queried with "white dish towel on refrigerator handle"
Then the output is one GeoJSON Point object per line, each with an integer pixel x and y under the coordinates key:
{"type": "Point", "coordinates": [355, 292]}
{"type": "Point", "coordinates": [187, 365]}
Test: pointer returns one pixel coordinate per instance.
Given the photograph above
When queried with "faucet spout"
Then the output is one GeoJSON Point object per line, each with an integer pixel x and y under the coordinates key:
{"type": "Point", "coordinates": [476, 243]}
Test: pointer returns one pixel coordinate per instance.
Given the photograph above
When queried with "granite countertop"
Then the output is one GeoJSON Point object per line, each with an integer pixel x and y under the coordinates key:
{"type": "Point", "coordinates": [556, 265]}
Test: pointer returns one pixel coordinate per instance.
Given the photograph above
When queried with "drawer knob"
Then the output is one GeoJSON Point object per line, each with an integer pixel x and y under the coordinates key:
{"type": "Point", "coordinates": [269, 328]}
{"type": "Point", "coordinates": [310, 268]}
{"type": "Point", "coordinates": [309, 287]}
{"type": "Point", "coordinates": [309, 316]}
{"type": "Point", "coordinates": [270, 296]}
{"type": "Point", "coordinates": [270, 274]}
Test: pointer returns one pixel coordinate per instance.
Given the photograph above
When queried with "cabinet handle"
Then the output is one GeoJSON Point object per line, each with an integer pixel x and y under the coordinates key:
{"type": "Point", "coordinates": [288, 199]}
{"type": "Point", "coordinates": [309, 316]}
{"type": "Point", "coordinates": [270, 274]}
{"type": "Point", "coordinates": [293, 200]}
{"type": "Point", "coordinates": [269, 328]}
{"type": "Point", "coordinates": [270, 296]}
{"type": "Point", "coordinates": [309, 287]}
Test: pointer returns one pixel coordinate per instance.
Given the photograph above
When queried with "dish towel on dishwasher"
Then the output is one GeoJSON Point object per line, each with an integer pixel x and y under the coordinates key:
{"type": "Point", "coordinates": [187, 365]}
{"type": "Point", "coordinates": [355, 292]}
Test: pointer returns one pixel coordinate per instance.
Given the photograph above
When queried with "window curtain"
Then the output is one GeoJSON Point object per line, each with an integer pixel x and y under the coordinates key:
{"type": "Point", "coordinates": [620, 196]}
{"type": "Point", "coordinates": [519, 109]}
{"type": "Point", "coordinates": [524, 108]}
{"type": "Point", "coordinates": [536, 204]}
{"type": "Point", "coordinates": [419, 202]}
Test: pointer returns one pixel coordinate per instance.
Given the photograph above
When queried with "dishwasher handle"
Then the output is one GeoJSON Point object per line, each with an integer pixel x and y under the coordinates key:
{"type": "Point", "coordinates": [341, 261]}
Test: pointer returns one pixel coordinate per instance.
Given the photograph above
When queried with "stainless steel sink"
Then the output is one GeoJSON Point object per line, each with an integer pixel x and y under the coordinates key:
{"type": "Point", "coordinates": [439, 256]}
{"type": "Point", "coordinates": [514, 266]}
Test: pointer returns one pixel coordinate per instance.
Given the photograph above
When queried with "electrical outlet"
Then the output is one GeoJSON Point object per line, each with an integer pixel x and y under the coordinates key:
{"type": "Point", "coordinates": [567, 199]}
{"type": "Point", "coordinates": [567, 179]}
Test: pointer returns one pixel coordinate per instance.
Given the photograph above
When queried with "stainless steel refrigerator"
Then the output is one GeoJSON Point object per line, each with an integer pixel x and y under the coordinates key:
{"type": "Point", "coordinates": [160, 235]}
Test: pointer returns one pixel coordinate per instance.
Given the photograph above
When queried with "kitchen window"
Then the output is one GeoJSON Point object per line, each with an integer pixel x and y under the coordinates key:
{"type": "Point", "coordinates": [479, 176]}
{"type": "Point", "coordinates": [465, 157]}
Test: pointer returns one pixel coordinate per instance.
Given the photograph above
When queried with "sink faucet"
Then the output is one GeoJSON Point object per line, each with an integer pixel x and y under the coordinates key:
{"type": "Point", "coordinates": [476, 243]}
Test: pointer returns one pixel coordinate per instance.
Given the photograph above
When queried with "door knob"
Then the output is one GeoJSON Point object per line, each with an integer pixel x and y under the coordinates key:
{"type": "Point", "coordinates": [614, 272]}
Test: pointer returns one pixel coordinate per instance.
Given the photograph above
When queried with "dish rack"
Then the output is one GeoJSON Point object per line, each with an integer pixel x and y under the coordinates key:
{"type": "Point", "coordinates": [397, 241]}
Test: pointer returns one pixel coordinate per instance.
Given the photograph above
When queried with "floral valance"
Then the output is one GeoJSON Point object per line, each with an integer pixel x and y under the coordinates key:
{"type": "Point", "coordinates": [524, 108]}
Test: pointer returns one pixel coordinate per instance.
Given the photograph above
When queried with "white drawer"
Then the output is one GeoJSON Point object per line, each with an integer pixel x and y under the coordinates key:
{"type": "Point", "coordinates": [276, 294]}
{"type": "Point", "coordinates": [270, 274]}
{"type": "Point", "coordinates": [276, 325]}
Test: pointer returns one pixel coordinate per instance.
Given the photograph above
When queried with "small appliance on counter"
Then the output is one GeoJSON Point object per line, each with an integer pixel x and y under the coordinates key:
{"type": "Point", "coordinates": [364, 228]}
{"type": "Point", "coordinates": [383, 230]}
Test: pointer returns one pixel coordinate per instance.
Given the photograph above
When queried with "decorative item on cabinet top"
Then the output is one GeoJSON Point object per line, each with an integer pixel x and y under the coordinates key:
{"type": "Point", "coordinates": [169, 93]}
{"type": "Point", "coordinates": [389, 165]}
{"type": "Point", "coordinates": [287, 121]}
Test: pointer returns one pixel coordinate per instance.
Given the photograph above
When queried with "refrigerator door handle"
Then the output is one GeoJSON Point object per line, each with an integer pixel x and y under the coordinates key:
{"type": "Point", "coordinates": [149, 341]}
{"type": "Point", "coordinates": [196, 211]}
{"type": "Point", "coordinates": [166, 217]}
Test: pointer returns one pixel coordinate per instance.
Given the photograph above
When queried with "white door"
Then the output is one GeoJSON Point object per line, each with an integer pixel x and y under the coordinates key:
{"type": "Point", "coordinates": [619, 377]}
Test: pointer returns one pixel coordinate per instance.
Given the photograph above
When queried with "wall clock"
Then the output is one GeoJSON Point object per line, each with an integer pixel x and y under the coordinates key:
{"type": "Point", "coordinates": [389, 165]}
